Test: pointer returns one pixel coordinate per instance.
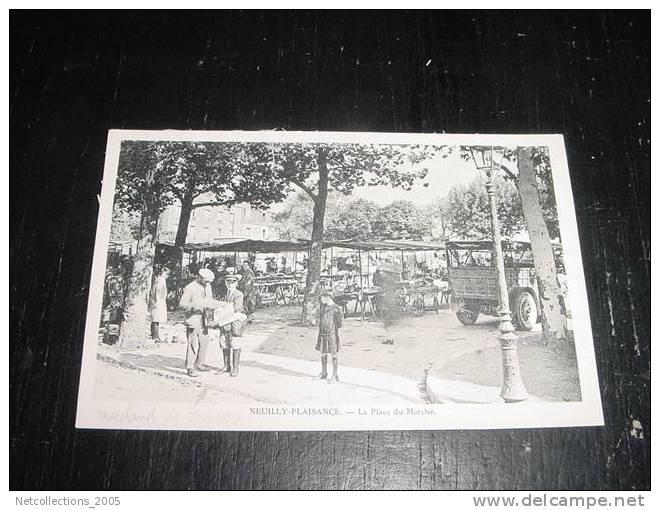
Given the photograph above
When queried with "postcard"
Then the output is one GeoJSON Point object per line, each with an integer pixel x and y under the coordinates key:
{"type": "Point", "coordinates": [273, 280]}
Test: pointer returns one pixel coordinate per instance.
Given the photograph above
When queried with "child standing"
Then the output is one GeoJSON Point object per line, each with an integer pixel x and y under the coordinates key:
{"type": "Point", "coordinates": [330, 319]}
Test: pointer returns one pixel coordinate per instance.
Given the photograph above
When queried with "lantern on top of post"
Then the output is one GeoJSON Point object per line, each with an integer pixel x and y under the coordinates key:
{"type": "Point", "coordinates": [487, 159]}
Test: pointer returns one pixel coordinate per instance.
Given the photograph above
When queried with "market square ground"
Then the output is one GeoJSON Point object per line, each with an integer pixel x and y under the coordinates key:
{"type": "Point", "coordinates": [432, 358]}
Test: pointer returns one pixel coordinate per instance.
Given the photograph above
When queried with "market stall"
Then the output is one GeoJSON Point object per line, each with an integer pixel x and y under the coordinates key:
{"type": "Point", "coordinates": [280, 284]}
{"type": "Point", "coordinates": [349, 269]}
{"type": "Point", "coordinates": [416, 283]}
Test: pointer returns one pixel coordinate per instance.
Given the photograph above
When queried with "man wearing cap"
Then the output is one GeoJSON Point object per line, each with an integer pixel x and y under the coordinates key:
{"type": "Point", "coordinates": [231, 351]}
{"type": "Point", "coordinates": [193, 301]}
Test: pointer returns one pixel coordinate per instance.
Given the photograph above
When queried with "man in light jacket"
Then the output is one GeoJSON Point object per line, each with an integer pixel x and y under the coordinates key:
{"type": "Point", "coordinates": [158, 304]}
{"type": "Point", "coordinates": [194, 299]}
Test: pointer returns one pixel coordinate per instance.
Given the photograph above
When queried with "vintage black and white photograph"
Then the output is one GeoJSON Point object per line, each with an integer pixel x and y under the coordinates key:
{"type": "Point", "coordinates": [279, 281]}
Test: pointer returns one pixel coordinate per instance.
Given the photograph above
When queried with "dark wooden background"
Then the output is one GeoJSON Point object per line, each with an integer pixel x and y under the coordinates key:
{"type": "Point", "coordinates": [76, 75]}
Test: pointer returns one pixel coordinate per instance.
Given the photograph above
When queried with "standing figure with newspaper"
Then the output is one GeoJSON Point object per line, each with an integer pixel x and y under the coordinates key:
{"type": "Point", "coordinates": [230, 317]}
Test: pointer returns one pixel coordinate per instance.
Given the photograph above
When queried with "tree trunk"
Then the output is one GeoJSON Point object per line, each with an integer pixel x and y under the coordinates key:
{"type": "Point", "coordinates": [310, 304]}
{"type": "Point", "coordinates": [175, 262]}
{"type": "Point", "coordinates": [135, 326]}
{"type": "Point", "coordinates": [184, 220]}
{"type": "Point", "coordinates": [552, 318]}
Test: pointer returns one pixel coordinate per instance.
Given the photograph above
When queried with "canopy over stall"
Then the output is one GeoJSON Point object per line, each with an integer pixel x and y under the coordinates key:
{"type": "Point", "coordinates": [487, 244]}
{"type": "Point", "coordinates": [459, 252]}
{"type": "Point", "coordinates": [368, 246]}
{"type": "Point", "coordinates": [233, 247]}
{"type": "Point", "coordinates": [242, 245]}
{"type": "Point", "coordinates": [258, 246]}
{"type": "Point", "coordinates": [236, 246]}
{"type": "Point", "coordinates": [386, 245]}
{"type": "Point", "coordinates": [245, 246]}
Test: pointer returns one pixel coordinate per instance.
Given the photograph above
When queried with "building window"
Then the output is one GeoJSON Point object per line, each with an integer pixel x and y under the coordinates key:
{"type": "Point", "coordinates": [263, 233]}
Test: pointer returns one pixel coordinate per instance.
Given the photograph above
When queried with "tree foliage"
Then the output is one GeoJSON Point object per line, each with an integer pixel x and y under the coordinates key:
{"type": "Point", "coordinates": [466, 212]}
{"type": "Point", "coordinates": [125, 225]}
{"type": "Point", "coordinates": [230, 172]}
{"type": "Point", "coordinates": [194, 174]}
{"type": "Point", "coordinates": [349, 165]}
{"type": "Point", "coordinates": [541, 161]}
{"type": "Point", "coordinates": [354, 221]}
{"type": "Point", "coordinates": [293, 219]}
{"type": "Point", "coordinates": [357, 219]}
{"type": "Point", "coordinates": [402, 219]}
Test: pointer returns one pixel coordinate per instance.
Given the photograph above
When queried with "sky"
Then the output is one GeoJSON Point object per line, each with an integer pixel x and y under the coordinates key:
{"type": "Point", "coordinates": [444, 173]}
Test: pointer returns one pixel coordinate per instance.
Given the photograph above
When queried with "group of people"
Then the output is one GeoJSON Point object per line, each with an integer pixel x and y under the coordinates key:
{"type": "Point", "coordinates": [214, 300]}
{"type": "Point", "coordinates": [200, 308]}
{"type": "Point", "coordinates": [222, 269]}
{"type": "Point", "coordinates": [228, 317]}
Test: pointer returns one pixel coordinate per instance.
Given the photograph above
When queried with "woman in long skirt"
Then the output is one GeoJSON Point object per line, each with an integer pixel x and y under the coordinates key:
{"type": "Point", "coordinates": [247, 287]}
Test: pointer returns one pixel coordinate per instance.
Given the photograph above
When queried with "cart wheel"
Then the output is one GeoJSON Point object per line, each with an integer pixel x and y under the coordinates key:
{"type": "Point", "coordinates": [467, 317]}
{"type": "Point", "coordinates": [525, 312]}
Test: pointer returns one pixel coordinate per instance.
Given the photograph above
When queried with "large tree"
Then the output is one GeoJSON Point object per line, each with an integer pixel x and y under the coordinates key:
{"type": "Point", "coordinates": [553, 318]}
{"type": "Point", "coordinates": [204, 174]}
{"type": "Point", "coordinates": [317, 168]}
{"type": "Point", "coordinates": [148, 198]}
{"type": "Point", "coordinates": [154, 175]}
{"type": "Point", "coordinates": [529, 169]}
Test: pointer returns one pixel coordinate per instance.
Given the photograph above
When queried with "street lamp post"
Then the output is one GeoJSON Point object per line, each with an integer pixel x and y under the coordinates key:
{"type": "Point", "coordinates": [513, 388]}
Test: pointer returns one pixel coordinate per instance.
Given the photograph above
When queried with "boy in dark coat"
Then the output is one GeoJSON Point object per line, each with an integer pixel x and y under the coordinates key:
{"type": "Point", "coordinates": [330, 319]}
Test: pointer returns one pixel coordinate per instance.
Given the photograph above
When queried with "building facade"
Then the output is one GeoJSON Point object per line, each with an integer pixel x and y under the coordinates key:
{"type": "Point", "coordinates": [211, 224]}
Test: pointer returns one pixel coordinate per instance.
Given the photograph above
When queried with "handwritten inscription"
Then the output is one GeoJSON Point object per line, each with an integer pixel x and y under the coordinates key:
{"type": "Point", "coordinates": [127, 415]}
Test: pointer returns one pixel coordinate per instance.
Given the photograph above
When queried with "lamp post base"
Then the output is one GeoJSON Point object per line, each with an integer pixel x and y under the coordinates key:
{"type": "Point", "coordinates": [513, 388]}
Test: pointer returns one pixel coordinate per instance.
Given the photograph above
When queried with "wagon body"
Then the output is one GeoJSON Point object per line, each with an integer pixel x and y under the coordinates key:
{"type": "Point", "coordinates": [473, 281]}
{"type": "Point", "coordinates": [480, 283]}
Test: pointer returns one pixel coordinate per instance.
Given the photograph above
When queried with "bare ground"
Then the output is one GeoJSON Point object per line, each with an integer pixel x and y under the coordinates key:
{"type": "Point", "coordinates": [547, 372]}
{"type": "Point", "coordinates": [434, 341]}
